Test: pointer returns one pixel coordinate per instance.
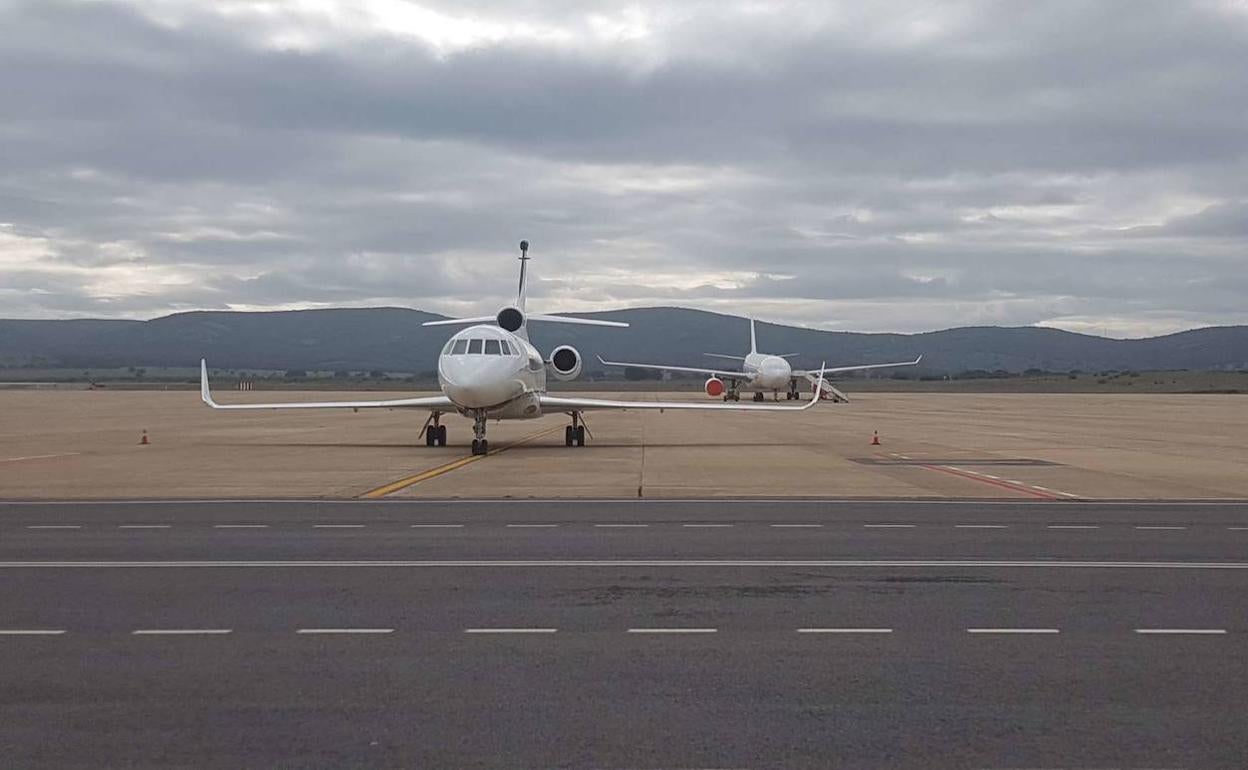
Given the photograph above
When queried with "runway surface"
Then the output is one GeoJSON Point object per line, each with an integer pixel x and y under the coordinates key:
{"type": "Point", "coordinates": [618, 634]}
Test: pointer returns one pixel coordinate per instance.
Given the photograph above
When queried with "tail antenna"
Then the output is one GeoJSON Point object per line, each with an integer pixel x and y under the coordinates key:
{"type": "Point", "coordinates": [522, 292]}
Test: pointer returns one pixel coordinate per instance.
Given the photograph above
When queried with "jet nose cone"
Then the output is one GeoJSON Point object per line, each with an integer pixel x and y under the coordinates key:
{"type": "Point", "coordinates": [775, 371]}
{"type": "Point", "coordinates": [479, 382]}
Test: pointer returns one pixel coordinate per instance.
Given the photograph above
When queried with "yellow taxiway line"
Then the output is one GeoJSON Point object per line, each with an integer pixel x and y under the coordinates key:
{"type": "Point", "coordinates": [414, 479]}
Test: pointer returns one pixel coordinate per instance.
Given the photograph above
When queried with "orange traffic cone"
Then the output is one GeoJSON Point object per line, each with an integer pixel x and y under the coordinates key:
{"type": "Point", "coordinates": [144, 440]}
{"type": "Point", "coordinates": [875, 438]}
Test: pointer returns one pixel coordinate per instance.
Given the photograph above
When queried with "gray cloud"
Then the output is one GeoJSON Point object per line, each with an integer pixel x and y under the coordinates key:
{"type": "Point", "coordinates": [901, 167]}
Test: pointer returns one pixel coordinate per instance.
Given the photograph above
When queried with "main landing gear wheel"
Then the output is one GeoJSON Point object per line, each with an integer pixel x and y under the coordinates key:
{"type": "Point", "coordinates": [574, 434]}
{"type": "Point", "coordinates": [480, 446]}
{"type": "Point", "coordinates": [758, 396]}
{"type": "Point", "coordinates": [435, 435]}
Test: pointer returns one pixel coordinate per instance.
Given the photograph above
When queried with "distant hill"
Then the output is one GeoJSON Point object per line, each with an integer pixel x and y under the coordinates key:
{"type": "Point", "coordinates": [393, 339]}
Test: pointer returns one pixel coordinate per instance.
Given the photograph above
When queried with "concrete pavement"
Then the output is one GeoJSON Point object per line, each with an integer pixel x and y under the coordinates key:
{"type": "Point", "coordinates": [719, 634]}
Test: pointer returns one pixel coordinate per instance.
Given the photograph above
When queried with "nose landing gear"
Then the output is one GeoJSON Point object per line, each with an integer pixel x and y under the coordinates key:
{"type": "Point", "coordinates": [479, 445]}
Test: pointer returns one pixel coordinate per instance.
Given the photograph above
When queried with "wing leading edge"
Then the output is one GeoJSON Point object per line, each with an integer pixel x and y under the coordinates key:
{"type": "Point", "coordinates": [686, 369]}
{"type": "Point", "coordinates": [560, 404]}
{"type": "Point", "coordinates": [436, 403]}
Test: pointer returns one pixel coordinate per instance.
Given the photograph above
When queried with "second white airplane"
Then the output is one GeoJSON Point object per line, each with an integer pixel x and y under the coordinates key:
{"type": "Point", "coordinates": [761, 373]}
{"type": "Point", "coordinates": [490, 371]}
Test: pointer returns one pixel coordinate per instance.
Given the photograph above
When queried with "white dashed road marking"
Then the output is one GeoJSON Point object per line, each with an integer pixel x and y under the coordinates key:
{"type": "Point", "coordinates": [1074, 526]}
{"type": "Point", "coordinates": [510, 630]}
{"type": "Point", "coordinates": [797, 526]}
{"type": "Point", "coordinates": [1013, 631]}
{"type": "Point", "coordinates": [54, 526]}
{"type": "Point", "coordinates": [1154, 527]}
{"type": "Point", "coordinates": [240, 526]}
{"type": "Point", "coordinates": [1191, 631]}
{"type": "Point", "coordinates": [181, 631]}
{"type": "Point", "coordinates": [890, 526]}
{"type": "Point", "coordinates": [531, 526]}
{"type": "Point", "coordinates": [345, 631]}
{"type": "Point", "coordinates": [437, 526]}
{"type": "Point", "coordinates": [981, 526]}
{"type": "Point", "coordinates": [844, 630]}
{"type": "Point", "coordinates": [620, 526]}
{"type": "Point", "coordinates": [673, 630]}
{"type": "Point", "coordinates": [337, 526]}
{"type": "Point", "coordinates": [31, 631]}
{"type": "Point", "coordinates": [144, 526]}
{"type": "Point", "coordinates": [706, 526]}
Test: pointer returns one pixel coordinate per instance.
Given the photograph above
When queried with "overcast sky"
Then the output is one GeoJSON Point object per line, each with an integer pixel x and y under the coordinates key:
{"type": "Point", "coordinates": [861, 166]}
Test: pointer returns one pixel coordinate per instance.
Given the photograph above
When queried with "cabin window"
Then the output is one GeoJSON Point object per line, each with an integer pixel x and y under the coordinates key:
{"type": "Point", "coordinates": [506, 347]}
{"type": "Point", "coordinates": [461, 347]}
{"type": "Point", "coordinates": [474, 347]}
{"type": "Point", "coordinates": [492, 348]}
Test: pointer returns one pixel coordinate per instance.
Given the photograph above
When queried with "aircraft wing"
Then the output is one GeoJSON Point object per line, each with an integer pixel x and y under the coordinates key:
{"type": "Point", "coordinates": [435, 403]}
{"type": "Point", "coordinates": [856, 368]}
{"type": "Point", "coordinates": [736, 375]}
{"type": "Point", "coordinates": [561, 404]}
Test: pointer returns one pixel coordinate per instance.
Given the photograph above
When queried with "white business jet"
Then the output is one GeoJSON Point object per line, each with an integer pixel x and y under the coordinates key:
{"type": "Point", "coordinates": [761, 373]}
{"type": "Point", "coordinates": [490, 371]}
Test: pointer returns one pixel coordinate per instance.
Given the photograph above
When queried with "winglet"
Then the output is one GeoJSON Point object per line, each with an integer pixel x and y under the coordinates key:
{"type": "Point", "coordinates": [818, 386]}
{"type": "Point", "coordinates": [205, 393]}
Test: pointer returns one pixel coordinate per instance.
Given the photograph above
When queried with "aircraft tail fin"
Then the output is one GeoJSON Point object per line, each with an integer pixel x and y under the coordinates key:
{"type": "Point", "coordinates": [522, 294]}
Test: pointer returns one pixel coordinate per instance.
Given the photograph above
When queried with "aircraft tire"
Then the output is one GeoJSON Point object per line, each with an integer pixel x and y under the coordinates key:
{"type": "Point", "coordinates": [580, 435]}
{"type": "Point", "coordinates": [441, 435]}
{"type": "Point", "coordinates": [568, 436]}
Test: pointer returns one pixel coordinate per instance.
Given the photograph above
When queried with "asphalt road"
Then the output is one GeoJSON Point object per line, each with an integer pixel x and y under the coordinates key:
{"type": "Point", "coordinates": [624, 634]}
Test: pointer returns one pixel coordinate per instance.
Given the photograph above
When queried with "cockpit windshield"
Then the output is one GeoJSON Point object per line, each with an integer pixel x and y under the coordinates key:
{"type": "Point", "coordinates": [480, 347]}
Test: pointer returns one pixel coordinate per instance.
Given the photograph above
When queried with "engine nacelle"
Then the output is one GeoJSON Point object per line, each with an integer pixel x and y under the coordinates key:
{"type": "Point", "coordinates": [565, 362]}
{"type": "Point", "coordinates": [511, 318]}
{"type": "Point", "coordinates": [714, 387]}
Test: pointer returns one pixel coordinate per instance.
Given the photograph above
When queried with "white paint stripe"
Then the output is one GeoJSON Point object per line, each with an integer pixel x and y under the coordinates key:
{"type": "Point", "coordinates": [337, 526]}
{"type": "Point", "coordinates": [240, 526]}
{"type": "Point", "coordinates": [1147, 527]}
{"type": "Point", "coordinates": [54, 526]}
{"type": "Point", "coordinates": [144, 526]}
{"type": "Point", "coordinates": [890, 526]}
{"type": "Point", "coordinates": [510, 630]}
{"type": "Point", "coordinates": [182, 631]}
{"type": "Point", "coordinates": [1074, 526]}
{"type": "Point", "coordinates": [706, 526]}
{"type": "Point", "coordinates": [844, 630]}
{"type": "Point", "coordinates": [673, 630]}
{"type": "Point", "coordinates": [31, 631]}
{"type": "Point", "coordinates": [1213, 502]}
{"type": "Point", "coordinates": [39, 457]}
{"type": "Point", "coordinates": [531, 526]}
{"type": "Point", "coordinates": [1237, 529]}
{"type": "Point", "coordinates": [619, 526]}
{"type": "Point", "coordinates": [1193, 631]}
{"type": "Point", "coordinates": [981, 526]}
{"type": "Point", "coordinates": [437, 526]}
{"type": "Point", "coordinates": [614, 563]}
{"type": "Point", "coordinates": [345, 631]}
{"type": "Point", "coordinates": [797, 526]}
{"type": "Point", "coordinates": [1013, 631]}
{"type": "Point", "coordinates": [990, 476]}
